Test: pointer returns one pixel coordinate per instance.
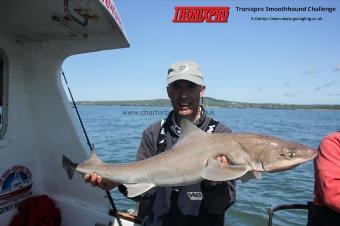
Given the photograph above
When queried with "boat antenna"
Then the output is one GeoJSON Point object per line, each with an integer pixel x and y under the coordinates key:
{"type": "Point", "coordinates": [115, 211]}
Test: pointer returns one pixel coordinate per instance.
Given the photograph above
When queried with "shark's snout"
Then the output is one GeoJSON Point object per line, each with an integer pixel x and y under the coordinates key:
{"type": "Point", "coordinates": [312, 153]}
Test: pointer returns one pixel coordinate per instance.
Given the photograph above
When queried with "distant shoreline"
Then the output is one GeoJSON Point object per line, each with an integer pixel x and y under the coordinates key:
{"type": "Point", "coordinates": [211, 102]}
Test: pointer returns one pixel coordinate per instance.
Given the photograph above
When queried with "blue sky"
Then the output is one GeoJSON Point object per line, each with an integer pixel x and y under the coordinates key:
{"type": "Point", "coordinates": [242, 60]}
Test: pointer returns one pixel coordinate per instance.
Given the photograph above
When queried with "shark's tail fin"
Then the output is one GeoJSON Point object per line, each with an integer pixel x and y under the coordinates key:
{"type": "Point", "coordinates": [69, 166]}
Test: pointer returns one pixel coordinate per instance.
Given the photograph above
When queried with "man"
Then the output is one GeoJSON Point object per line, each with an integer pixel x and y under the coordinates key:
{"type": "Point", "coordinates": [200, 204]}
{"type": "Point", "coordinates": [326, 206]}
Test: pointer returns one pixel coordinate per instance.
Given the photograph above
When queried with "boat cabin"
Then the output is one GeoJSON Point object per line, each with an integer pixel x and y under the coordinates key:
{"type": "Point", "coordinates": [37, 122]}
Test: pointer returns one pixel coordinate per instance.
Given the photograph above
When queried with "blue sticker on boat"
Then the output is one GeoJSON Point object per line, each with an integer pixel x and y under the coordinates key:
{"type": "Point", "coordinates": [15, 185]}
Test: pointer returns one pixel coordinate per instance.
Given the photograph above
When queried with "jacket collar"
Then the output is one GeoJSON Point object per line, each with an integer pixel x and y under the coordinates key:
{"type": "Point", "coordinates": [176, 129]}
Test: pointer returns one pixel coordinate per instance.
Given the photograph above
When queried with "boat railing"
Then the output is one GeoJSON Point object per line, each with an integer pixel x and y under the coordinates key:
{"type": "Point", "coordinates": [126, 216]}
{"type": "Point", "coordinates": [272, 210]}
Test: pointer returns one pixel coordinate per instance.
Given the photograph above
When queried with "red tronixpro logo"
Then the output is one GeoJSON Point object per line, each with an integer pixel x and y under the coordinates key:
{"type": "Point", "coordinates": [199, 14]}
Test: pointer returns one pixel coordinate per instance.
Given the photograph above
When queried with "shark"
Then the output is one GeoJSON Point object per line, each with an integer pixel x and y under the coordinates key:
{"type": "Point", "coordinates": [194, 158]}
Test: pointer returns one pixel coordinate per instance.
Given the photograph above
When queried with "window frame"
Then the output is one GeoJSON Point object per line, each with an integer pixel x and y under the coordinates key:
{"type": "Point", "coordinates": [4, 71]}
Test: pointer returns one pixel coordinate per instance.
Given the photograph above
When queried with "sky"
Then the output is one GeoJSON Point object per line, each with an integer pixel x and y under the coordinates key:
{"type": "Point", "coordinates": [257, 61]}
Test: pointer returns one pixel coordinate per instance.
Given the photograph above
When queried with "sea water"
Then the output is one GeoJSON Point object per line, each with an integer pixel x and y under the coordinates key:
{"type": "Point", "coordinates": [116, 132]}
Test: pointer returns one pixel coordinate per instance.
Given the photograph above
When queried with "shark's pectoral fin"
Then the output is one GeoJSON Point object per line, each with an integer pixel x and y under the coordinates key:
{"type": "Point", "coordinates": [216, 171]}
{"type": "Point", "coordinates": [137, 189]}
{"type": "Point", "coordinates": [251, 175]}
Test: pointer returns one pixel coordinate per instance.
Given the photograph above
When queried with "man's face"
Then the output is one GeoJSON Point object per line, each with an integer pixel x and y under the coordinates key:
{"type": "Point", "coordinates": [185, 97]}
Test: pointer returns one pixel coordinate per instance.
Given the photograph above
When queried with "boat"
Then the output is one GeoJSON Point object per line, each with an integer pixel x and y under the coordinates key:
{"type": "Point", "coordinates": [38, 124]}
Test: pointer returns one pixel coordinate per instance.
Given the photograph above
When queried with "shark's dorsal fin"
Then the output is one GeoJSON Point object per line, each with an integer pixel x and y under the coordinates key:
{"type": "Point", "coordinates": [93, 160]}
{"type": "Point", "coordinates": [188, 128]}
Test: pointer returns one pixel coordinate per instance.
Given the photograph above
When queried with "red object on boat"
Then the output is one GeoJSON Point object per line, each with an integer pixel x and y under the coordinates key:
{"type": "Point", "coordinates": [37, 211]}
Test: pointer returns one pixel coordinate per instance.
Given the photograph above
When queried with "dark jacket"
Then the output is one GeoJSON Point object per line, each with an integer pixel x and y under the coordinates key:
{"type": "Point", "coordinates": [198, 204]}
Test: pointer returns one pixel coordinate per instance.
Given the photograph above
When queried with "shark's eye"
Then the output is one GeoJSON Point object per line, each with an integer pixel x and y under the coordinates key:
{"type": "Point", "coordinates": [292, 154]}
{"type": "Point", "coordinates": [288, 153]}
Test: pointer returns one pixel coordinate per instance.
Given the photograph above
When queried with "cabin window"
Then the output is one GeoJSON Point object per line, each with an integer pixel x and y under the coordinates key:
{"type": "Point", "coordinates": [3, 93]}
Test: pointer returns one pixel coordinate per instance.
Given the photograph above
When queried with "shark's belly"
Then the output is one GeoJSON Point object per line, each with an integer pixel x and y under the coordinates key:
{"type": "Point", "coordinates": [175, 173]}
{"type": "Point", "coordinates": [174, 177]}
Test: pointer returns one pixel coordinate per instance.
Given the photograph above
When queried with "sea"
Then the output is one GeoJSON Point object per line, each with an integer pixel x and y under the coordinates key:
{"type": "Point", "coordinates": [116, 132]}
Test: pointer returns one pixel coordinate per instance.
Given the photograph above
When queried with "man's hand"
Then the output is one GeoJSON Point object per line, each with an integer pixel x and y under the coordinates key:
{"type": "Point", "coordinates": [223, 159]}
{"type": "Point", "coordinates": [96, 180]}
{"type": "Point", "coordinates": [209, 185]}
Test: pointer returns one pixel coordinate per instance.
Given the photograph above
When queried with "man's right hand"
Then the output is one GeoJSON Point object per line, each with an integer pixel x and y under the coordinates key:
{"type": "Point", "coordinates": [96, 180]}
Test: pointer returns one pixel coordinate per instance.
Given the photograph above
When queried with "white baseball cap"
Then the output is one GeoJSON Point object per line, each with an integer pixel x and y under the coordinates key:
{"type": "Point", "coordinates": [185, 70]}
